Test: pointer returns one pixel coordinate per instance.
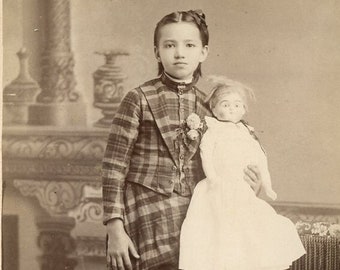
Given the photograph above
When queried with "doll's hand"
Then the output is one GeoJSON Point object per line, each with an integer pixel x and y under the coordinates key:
{"type": "Point", "coordinates": [119, 246]}
{"type": "Point", "coordinates": [253, 177]}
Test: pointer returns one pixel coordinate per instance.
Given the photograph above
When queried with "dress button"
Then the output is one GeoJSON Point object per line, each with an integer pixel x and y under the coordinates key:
{"type": "Point", "coordinates": [174, 168]}
{"type": "Point", "coordinates": [181, 157]}
{"type": "Point", "coordinates": [180, 92]}
{"type": "Point", "coordinates": [185, 169]}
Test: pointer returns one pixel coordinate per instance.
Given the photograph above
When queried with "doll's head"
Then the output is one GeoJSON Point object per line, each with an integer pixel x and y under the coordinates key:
{"type": "Point", "coordinates": [228, 99]}
{"type": "Point", "coordinates": [181, 43]}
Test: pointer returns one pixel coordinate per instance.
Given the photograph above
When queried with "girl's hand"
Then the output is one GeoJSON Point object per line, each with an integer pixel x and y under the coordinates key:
{"type": "Point", "coordinates": [253, 177]}
{"type": "Point", "coordinates": [119, 246]}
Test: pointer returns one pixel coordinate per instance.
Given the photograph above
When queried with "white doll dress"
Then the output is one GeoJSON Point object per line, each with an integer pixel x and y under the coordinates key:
{"type": "Point", "coordinates": [227, 226]}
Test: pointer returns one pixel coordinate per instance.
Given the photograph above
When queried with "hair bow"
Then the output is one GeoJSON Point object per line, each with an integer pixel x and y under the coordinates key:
{"type": "Point", "coordinates": [199, 16]}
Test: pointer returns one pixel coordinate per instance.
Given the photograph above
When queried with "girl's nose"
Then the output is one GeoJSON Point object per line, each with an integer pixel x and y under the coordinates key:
{"type": "Point", "coordinates": [179, 53]}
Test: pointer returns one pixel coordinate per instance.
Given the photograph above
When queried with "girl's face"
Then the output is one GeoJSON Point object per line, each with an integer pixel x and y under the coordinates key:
{"type": "Point", "coordinates": [230, 107]}
{"type": "Point", "coordinates": [180, 49]}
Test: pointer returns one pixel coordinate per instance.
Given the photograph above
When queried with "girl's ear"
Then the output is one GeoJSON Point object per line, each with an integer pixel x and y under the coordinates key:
{"type": "Point", "coordinates": [204, 53]}
{"type": "Point", "coordinates": [156, 52]}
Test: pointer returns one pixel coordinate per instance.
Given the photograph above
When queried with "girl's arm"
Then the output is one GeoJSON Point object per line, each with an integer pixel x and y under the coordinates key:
{"type": "Point", "coordinates": [122, 137]}
{"type": "Point", "coordinates": [119, 246]}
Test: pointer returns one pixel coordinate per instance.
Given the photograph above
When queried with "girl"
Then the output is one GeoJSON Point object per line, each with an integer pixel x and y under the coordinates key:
{"type": "Point", "coordinates": [149, 168]}
{"type": "Point", "coordinates": [227, 226]}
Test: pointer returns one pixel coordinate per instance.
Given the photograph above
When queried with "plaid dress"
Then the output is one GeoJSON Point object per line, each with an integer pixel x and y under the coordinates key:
{"type": "Point", "coordinates": [148, 173]}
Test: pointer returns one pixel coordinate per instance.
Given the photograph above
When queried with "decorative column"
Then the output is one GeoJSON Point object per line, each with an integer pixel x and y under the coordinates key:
{"type": "Point", "coordinates": [58, 103]}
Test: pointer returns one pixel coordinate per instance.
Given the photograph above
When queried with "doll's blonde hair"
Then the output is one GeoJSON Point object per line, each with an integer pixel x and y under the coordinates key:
{"type": "Point", "coordinates": [223, 85]}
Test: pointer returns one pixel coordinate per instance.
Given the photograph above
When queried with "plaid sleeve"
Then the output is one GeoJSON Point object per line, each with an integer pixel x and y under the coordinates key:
{"type": "Point", "coordinates": [122, 137]}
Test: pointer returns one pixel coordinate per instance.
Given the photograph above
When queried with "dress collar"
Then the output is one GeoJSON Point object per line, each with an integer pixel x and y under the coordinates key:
{"type": "Point", "coordinates": [178, 86]}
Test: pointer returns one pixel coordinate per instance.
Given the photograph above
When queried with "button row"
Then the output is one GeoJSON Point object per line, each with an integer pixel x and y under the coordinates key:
{"type": "Point", "coordinates": [185, 169]}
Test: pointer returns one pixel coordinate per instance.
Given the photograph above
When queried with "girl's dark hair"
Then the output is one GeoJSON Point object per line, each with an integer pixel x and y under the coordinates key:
{"type": "Point", "coordinates": [194, 16]}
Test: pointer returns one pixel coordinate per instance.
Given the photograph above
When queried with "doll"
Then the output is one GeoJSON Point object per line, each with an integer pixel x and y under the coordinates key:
{"type": "Point", "coordinates": [227, 226]}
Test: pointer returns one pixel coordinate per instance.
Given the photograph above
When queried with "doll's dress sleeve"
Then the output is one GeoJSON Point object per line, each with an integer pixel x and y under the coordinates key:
{"type": "Point", "coordinates": [266, 179]}
{"type": "Point", "coordinates": [263, 167]}
{"type": "Point", "coordinates": [207, 146]}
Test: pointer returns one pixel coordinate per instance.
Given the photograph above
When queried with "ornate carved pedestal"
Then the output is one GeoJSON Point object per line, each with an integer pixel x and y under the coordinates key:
{"type": "Point", "coordinates": [61, 169]}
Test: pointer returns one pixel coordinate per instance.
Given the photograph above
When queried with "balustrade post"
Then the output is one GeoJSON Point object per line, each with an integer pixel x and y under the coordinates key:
{"type": "Point", "coordinates": [56, 243]}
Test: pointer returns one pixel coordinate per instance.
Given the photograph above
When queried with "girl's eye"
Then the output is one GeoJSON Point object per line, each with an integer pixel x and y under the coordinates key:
{"type": "Point", "coordinates": [169, 45]}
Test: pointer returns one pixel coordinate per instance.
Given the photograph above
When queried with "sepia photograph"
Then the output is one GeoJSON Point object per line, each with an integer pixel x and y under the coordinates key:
{"type": "Point", "coordinates": [170, 135]}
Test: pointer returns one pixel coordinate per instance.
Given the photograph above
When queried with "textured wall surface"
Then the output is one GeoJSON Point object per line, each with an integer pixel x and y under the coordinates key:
{"type": "Point", "coordinates": [287, 51]}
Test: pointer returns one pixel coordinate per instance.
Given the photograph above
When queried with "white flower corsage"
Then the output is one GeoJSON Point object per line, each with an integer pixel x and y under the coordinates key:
{"type": "Point", "coordinates": [191, 129]}
{"type": "Point", "coordinates": [194, 121]}
{"type": "Point", "coordinates": [193, 134]}
{"type": "Point", "coordinates": [194, 126]}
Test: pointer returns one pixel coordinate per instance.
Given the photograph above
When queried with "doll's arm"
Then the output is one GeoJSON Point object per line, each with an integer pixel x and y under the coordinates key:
{"type": "Point", "coordinates": [206, 150]}
{"type": "Point", "coordinates": [266, 179]}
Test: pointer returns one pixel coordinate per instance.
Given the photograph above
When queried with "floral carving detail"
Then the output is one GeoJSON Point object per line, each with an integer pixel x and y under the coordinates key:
{"type": "Point", "coordinates": [318, 228]}
{"type": "Point", "coordinates": [88, 211]}
{"type": "Point", "coordinates": [54, 147]}
{"type": "Point", "coordinates": [54, 196]}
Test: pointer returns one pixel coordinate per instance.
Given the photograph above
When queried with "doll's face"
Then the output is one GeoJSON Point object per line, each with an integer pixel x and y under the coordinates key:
{"type": "Point", "coordinates": [229, 107]}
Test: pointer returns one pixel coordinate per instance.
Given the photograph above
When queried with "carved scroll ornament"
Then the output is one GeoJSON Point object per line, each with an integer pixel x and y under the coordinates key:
{"type": "Point", "coordinates": [56, 197]}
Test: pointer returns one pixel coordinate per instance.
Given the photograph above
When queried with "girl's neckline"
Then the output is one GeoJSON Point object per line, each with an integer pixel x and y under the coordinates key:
{"type": "Point", "coordinates": [178, 85]}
